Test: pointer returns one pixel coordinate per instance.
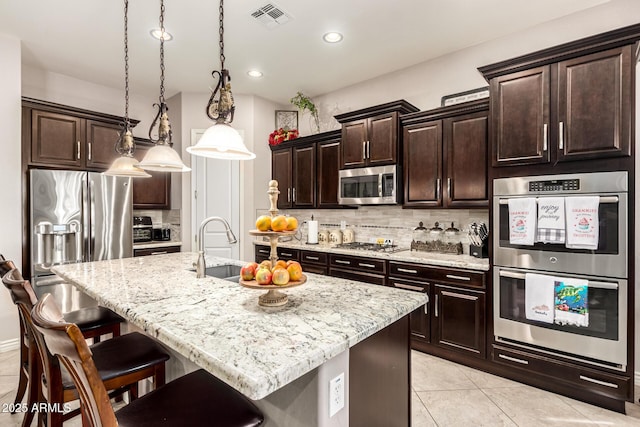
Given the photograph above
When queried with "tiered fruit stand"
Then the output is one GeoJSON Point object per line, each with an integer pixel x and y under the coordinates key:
{"type": "Point", "coordinates": [273, 298]}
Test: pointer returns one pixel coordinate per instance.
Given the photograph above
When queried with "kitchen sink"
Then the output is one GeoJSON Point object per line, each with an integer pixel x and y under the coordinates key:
{"type": "Point", "coordinates": [228, 272]}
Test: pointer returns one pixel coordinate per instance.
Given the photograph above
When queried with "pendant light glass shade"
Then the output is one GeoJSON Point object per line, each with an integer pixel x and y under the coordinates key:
{"type": "Point", "coordinates": [221, 141]}
{"type": "Point", "coordinates": [126, 166]}
{"type": "Point", "coordinates": [163, 158]}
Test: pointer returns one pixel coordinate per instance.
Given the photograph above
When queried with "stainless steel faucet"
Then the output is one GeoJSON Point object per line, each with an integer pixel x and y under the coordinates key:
{"type": "Point", "coordinates": [200, 264]}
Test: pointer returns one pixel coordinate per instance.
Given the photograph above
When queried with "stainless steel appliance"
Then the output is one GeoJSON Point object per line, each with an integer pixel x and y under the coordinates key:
{"type": "Point", "coordinates": [370, 186]}
{"type": "Point", "coordinates": [603, 342]}
{"type": "Point", "coordinates": [162, 233]}
{"type": "Point", "coordinates": [142, 229]}
{"type": "Point", "coordinates": [76, 217]}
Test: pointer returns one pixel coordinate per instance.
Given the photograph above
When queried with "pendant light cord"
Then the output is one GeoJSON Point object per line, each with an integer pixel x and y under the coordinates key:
{"type": "Point", "coordinates": [221, 32]}
{"type": "Point", "coordinates": [126, 65]}
{"type": "Point", "coordinates": [161, 52]}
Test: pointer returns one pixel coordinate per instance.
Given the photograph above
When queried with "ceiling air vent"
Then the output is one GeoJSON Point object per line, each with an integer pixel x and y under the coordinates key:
{"type": "Point", "coordinates": [271, 16]}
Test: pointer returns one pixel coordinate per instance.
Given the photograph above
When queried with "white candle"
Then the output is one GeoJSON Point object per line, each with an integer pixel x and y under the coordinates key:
{"type": "Point", "coordinates": [313, 232]}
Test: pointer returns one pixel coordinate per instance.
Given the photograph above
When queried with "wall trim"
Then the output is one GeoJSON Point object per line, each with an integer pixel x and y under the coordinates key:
{"type": "Point", "coordinates": [636, 379]}
{"type": "Point", "coordinates": [14, 344]}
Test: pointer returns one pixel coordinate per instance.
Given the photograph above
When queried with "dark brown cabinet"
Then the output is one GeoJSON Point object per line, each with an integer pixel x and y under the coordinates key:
{"type": "Point", "coordinates": [154, 192]}
{"type": "Point", "coordinates": [295, 170]}
{"type": "Point", "coordinates": [314, 262]}
{"type": "Point", "coordinates": [420, 318]}
{"type": "Point", "coordinates": [459, 320]}
{"type": "Point", "coordinates": [370, 136]}
{"type": "Point", "coordinates": [156, 251]}
{"type": "Point", "coordinates": [307, 171]}
{"type": "Point", "coordinates": [445, 156]}
{"type": "Point", "coordinates": [575, 109]}
{"type": "Point", "coordinates": [369, 270]}
{"type": "Point", "coordinates": [66, 137]}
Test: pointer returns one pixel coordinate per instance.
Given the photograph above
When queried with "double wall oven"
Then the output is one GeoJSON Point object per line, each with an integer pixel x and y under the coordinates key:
{"type": "Point", "coordinates": [603, 342]}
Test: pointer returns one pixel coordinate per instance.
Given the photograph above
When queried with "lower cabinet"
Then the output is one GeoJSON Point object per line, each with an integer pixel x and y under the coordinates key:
{"type": "Point", "coordinates": [459, 320]}
{"type": "Point", "coordinates": [156, 251]}
{"type": "Point", "coordinates": [314, 262]}
{"type": "Point", "coordinates": [420, 318]}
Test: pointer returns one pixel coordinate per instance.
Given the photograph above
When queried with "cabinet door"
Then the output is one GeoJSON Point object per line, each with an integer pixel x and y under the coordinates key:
{"type": "Point", "coordinates": [465, 154]}
{"type": "Point", "coordinates": [595, 105]}
{"type": "Point", "coordinates": [353, 146]}
{"type": "Point", "coordinates": [304, 177]}
{"type": "Point", "coordinates": [154, 192]}
{"type": "Point", "coordinates": [422, 150]}
{"type": "Point", "coordinates": [382, 143]}
{"type": "Point", "coordinates": [57, 139]}
{"type": "Point", "coordinates": [281, 171]}
{"type": "Point", "coordinates": [262, 253]}
{"type": "Point", "coordinates": [459, 320]}
{"type": "Point", "coordinates": [419, 319]}
{"type": "Point", "coordinates": [101, 140]}
{"type": "Point", "coordinates": [327, 174]}
{"type": "Point", "coordinates": [520, 115]}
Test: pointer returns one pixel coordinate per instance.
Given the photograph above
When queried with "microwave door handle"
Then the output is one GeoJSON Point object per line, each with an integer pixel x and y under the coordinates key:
{"type": "Point", "coordinates": [592, 284]}
{"type": "Point", "coordinates": [380, 178]}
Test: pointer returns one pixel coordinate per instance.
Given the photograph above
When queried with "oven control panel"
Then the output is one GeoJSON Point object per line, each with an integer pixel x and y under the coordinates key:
{"type": "Point", "coordinates": [554, 185]}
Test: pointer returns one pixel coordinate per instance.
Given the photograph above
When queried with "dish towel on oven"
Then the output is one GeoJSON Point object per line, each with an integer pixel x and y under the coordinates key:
{"type": "Point", "coordinates": [571, 301]}
{"type": "Point", "coordinates": [551, 228]}
{"type": "Point", "coordinates": [522, 221]}
{"type": "Point", "coordinates": [582, 222]}
{"type": "Point", "coordinates": [538, 297]}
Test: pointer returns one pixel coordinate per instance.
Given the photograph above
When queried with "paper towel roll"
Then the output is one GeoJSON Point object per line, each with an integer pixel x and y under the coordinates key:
{"type": "Point", "coordinates": [312, 237]}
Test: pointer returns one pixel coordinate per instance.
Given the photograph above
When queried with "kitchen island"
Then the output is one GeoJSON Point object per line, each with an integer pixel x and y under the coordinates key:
{"type": "Point", "coordinates": [282, 358]}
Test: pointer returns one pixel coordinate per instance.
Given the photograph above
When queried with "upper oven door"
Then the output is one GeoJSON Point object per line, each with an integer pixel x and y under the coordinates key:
{"type": "Point", "coordinates": [609, 259]}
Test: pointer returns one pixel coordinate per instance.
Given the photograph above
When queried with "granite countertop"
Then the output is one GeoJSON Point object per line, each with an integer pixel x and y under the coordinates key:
{"type": "Point", "coordinates": [442, 260]}
{"type": "Point", "coordinates": [219, 325]}
{"type": "Point", "coordinates": [157, 244]}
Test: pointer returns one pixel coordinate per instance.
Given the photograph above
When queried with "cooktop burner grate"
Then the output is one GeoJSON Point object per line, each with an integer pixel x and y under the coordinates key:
{"type": "Point", "coordinates": [375, 247]}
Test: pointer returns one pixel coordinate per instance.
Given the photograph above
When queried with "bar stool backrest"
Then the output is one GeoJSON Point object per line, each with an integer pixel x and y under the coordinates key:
{"type": "Point", "coordinates": [67, 342]}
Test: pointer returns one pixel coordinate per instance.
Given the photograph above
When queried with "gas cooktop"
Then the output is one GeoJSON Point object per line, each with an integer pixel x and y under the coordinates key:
{"type": "Point", "coordinates": [375, 247]}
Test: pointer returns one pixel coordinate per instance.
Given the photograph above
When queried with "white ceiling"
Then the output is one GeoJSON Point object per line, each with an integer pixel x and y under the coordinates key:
{"type": "Point", "coordinates": [83, 39]}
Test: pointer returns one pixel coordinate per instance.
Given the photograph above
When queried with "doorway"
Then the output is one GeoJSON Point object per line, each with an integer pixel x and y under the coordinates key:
{"type": "Point", "coordinates": [215, 186]}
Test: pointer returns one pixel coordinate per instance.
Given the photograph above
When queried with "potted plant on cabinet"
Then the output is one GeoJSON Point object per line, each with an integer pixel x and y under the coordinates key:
{"type": "Point", "coordinates": [303, 102]}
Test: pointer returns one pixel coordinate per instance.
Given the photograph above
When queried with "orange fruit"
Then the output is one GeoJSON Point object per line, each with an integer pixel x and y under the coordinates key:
{"type": "Point", "coordinates": [279, 223]}
{"type": "Point", "coordinates": [279, 264]}
{"type": "Point", "coordinates": [263, 223]}
{"type": "Point", "coordinates": [292, 223]}
{"type": "Point", "coordinates": [295, 271]}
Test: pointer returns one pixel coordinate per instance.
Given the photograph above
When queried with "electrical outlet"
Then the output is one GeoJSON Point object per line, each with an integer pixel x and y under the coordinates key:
{"type": "Point", "coordinates": [336, 394]}
{"type": "Point", "coordinates": [388, 241]}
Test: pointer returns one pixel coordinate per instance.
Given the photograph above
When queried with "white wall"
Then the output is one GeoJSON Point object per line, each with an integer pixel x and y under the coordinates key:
{"type": "Point", "coordinates": [424, 84]}
{"type": "Point", "coordinates": [10, 165]}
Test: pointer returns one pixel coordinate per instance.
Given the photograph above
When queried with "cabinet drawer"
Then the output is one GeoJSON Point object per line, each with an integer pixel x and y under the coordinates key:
{"type": "Point", "coordinates": [287, 254]}
{"type": "Point", "coordinates": [612, 385]}
{"type": "Point", "coordinates": [376, 279]}
{"type": "Point", "coordinates": [156, 251]}
{"type": "Point", "coordinates": [442, 275]}
{"type": "Point", "coordinates": [313, 257]}
{"type": "Point", "coordinates": [312, 268]}
{"type": "Point", "coordinates": [367, 265]}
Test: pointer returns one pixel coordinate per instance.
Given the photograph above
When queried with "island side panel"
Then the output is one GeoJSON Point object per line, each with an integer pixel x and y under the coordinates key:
{"type": "Point", "coordinates": [380, 378]}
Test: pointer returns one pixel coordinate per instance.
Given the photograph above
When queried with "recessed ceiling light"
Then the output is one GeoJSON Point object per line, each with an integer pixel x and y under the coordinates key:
{"type": "Point", "coordinates": [254, 73]}
{"type": "Point", "coordinates": [155, 33]}
{"type": "Point", "coordinates": [332, 37]}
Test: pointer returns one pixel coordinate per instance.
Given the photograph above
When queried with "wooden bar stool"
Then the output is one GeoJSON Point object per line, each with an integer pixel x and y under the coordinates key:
{"type": "Point", "coordinates": [92, 321]}
{"type": "Point", "coordinates": [194, 400]}
{"type": "Point", "coordinates": [121, 361]}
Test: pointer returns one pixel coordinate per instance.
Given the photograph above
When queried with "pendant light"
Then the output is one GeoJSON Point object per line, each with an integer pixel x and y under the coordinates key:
{"type": "Point", "coordinates": [221, 141]}
{"type": "Point", "coordinates": [162, 157]}
{"type": "Point", "coordinates": [126, 165]}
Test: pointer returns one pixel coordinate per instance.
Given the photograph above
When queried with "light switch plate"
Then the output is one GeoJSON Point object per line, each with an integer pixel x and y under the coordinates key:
{"type": "Point", "coordinates": [336, 394]}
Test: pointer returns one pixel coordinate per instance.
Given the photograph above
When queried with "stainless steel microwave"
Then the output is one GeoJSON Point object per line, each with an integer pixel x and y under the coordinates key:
{"type": "Point", "coordinates": [369, 186]}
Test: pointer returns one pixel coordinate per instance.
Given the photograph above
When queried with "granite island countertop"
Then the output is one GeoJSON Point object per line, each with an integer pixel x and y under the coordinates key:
{"type": "Point", "coordinates": [220, 327]}
{"type": "Point", "coordinates": [436, 259]}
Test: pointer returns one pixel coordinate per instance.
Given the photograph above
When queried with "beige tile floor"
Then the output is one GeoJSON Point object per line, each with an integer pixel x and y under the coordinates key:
{"type": "Point", "coordinates": [444, 394]}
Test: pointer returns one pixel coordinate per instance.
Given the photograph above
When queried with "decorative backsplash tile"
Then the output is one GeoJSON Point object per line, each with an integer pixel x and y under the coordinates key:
{"type": "Point", "coordinates": [389, 222]}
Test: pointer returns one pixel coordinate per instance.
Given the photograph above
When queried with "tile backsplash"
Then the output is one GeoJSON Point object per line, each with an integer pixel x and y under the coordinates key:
{"type": "Point", "coordinates": [389, 222]}
{"type": "Point", "coordinates": [169, 217]}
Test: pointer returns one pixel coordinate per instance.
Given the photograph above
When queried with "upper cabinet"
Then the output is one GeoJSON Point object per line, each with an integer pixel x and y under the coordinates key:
{"type": "Point", "coordinates": [60, 136]}
{"type": "Point", "coordinates": [154, 192]}
{"type": "Point", "coordinates": [445, 156]}
{"type": "Point", "coordinates": [307, 171]}
{"type": "Point", "coordinates": [370, 136]}
{"type": "Point", "coordinates": [570, 102]}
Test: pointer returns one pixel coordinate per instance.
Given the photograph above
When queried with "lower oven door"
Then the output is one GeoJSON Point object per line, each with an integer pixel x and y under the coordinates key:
{"type": "Point", "coordinates": [602, 342]}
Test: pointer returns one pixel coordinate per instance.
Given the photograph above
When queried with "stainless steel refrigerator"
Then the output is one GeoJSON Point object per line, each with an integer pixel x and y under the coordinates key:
{"type": "Point", "coordinates": [76, 217]}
